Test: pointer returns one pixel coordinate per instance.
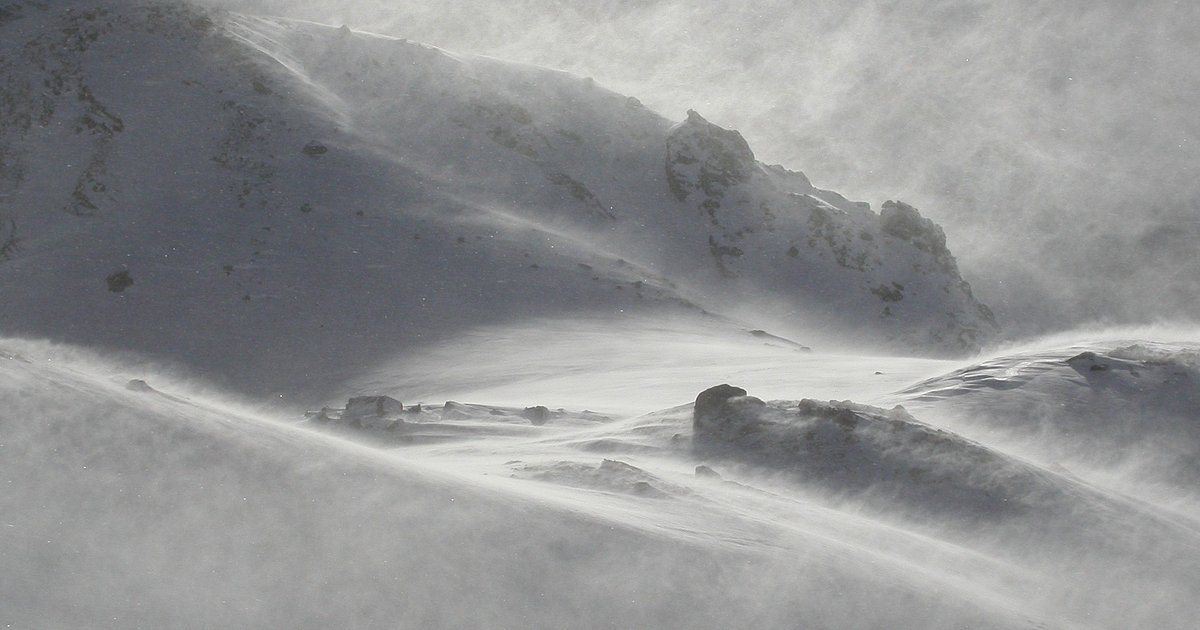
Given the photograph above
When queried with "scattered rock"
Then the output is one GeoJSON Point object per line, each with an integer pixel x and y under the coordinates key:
{"type": "Point", "coordinates": [138, 385]}
{"type": "Point", "coordinates": [323, 416]}
{"type": "Point", "coordinates": [707, 473]}
{"type": "Point", "coordinates": [373, 412]}
{"type": "Point", "coordinates": [314, 149]}
{"type": "Point", "coordinates": [537, 416]}
{"type": "Point", "coordinates": [1087, 361]}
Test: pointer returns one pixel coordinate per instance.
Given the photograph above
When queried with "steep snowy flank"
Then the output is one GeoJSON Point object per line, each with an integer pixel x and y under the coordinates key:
{"type": "Point", "coordinates": [281, 205]}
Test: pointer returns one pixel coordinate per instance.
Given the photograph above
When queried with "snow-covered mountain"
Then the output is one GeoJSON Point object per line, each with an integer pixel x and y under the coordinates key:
{"type": "Point", "coordinates": [351, 331]}
{"type": "Point", "coordinates": [280, 202]}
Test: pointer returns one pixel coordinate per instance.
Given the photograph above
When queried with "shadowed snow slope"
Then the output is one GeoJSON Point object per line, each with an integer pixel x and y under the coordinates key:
{"type": "Point", "coordinates": [277, 203]}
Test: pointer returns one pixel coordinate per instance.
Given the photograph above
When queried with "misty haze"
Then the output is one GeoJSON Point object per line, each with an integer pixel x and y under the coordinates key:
{"type": "Point", "coordinates": [621, 314]}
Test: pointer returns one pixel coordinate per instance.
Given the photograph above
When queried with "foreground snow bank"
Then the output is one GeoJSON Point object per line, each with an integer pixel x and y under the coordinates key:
{"type": "Point", "coordinates": [158, 507]}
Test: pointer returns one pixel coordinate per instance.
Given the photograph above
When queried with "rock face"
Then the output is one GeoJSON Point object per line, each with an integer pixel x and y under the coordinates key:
{"type": "Point", "coordinates": [768, 226]}
{"type": "Point", "coordinates": [704, 158]}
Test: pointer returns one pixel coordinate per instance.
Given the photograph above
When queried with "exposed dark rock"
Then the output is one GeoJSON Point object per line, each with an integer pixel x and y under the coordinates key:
{"type": "Point", "coordinates": [9, 241]}
{"type": "Point", "coordinates": [710, 403]}
{"type": "Point", "coordinates": [719, 408]}
{"type": "Point", "coordinates": [762, 334]}
{"type": "Point", "coordinates": [1089, 361]}
{"type": "Point", "coordinates": [894, 293]}
{"type": "Point", "coordinates": [702, 156]}
{"type": "Point", "coordinates": [323, 416]}
{"type": "Point", "coordinates": [858, 450]}
{"type": "Point", "coordinates": [118, 281]}
{"type": "Point", "coordinates": [904, 222]}
{"type": "Point", "coordinates": [314, 149]}
{"type": "Point", "coordinates": [707, 473]}
{"type": "Point", "coordinates": [138, 385]}
{"type": "Point", "coordinates": [373, 412]}
{"type": "Point", "coordinates": [537, 416]}
{"type": "Point", "coordinates": [610, 476]}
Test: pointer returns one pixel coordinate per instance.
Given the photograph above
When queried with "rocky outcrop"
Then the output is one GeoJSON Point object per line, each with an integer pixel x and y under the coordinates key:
{"type": "Point", "coordinates": [364, 412]}
{"type": "Point", "coordinates": [536, 415]}
{"type": "Point", "coordinates": [854, 451]}
{"type": "Point", "coordinates": [768, 226]}
{"type": "Point", "coordinates": [706, 160]}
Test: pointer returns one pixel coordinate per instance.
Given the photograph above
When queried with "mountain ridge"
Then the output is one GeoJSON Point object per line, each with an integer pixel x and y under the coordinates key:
{"type": "Point", "coordinates": [250, 178]}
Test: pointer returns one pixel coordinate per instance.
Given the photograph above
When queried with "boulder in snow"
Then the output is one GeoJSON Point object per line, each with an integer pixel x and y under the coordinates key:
{"type": "Point", "coordinates": [373, 412]}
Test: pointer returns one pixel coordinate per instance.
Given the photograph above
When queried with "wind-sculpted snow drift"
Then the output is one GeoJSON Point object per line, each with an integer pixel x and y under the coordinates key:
{"type": "Point", "coordinates": [278, 202]}
{"type": "Point", "coordinates": [1120, 412]}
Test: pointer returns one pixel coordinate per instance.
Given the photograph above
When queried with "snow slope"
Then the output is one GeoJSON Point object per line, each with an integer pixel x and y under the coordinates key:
{"type": "Point", "coordinates": [168, 506]}
{"type": "Point", "coordinates": [1121, 412]}
{"type": "Point", "coordinates": [165, 509]}
{"type": "Point", "coordinates": [276, 204]}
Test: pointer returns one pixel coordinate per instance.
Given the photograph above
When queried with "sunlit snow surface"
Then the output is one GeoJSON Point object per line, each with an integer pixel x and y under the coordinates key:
{"type": "Point", "coordinates": [137, 499]}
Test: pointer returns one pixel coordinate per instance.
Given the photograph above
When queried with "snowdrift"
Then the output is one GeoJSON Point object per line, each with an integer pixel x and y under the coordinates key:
{"type": "Point", "coordinates": [1121, 412]}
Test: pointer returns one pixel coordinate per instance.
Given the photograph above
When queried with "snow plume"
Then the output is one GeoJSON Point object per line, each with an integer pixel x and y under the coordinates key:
{"type": "Point", "coordinates": [1055, 142]}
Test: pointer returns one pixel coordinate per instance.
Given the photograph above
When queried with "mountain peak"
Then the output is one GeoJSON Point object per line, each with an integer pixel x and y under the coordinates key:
{"type": "Point", "coordinates": [703, 156]}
